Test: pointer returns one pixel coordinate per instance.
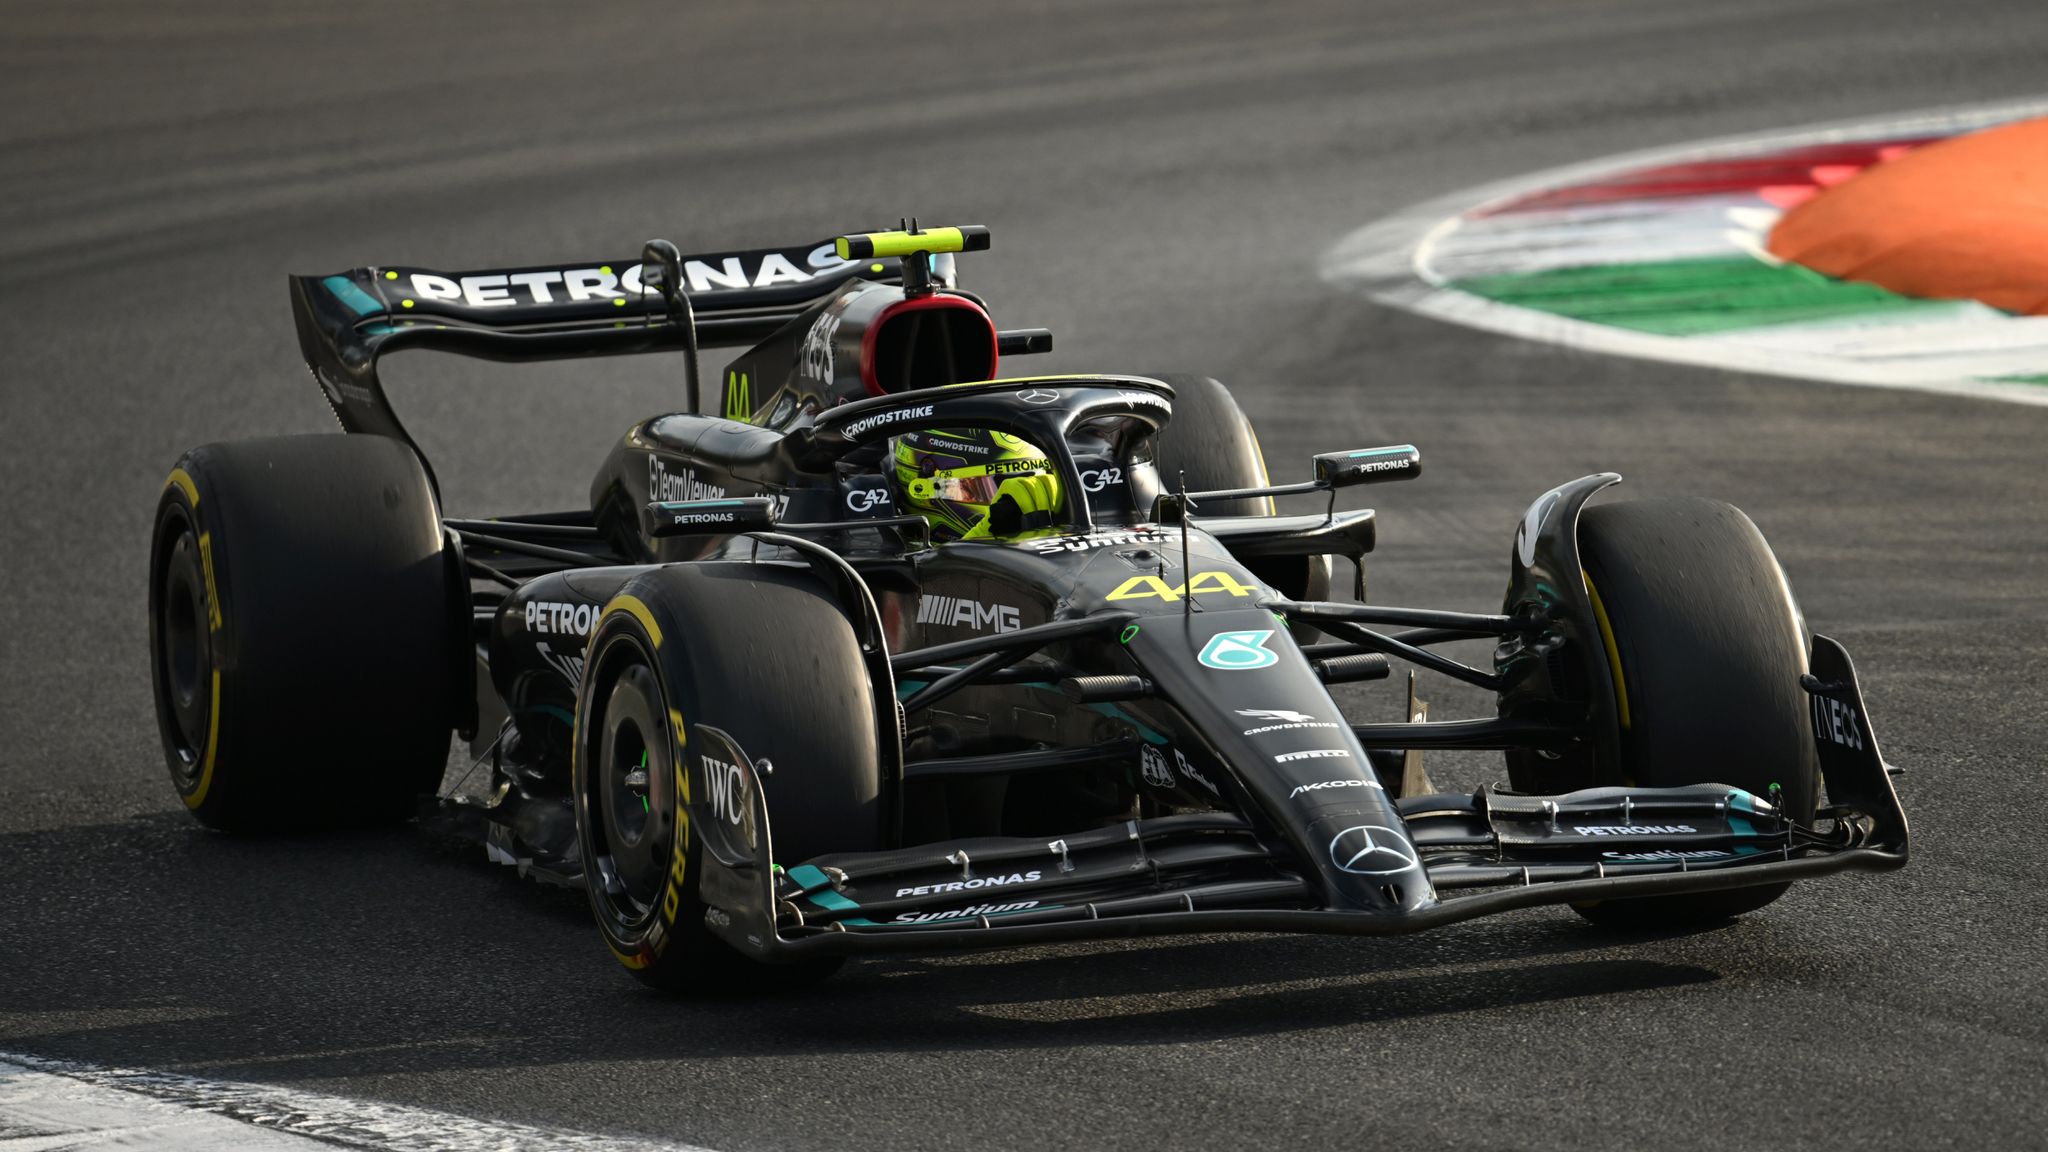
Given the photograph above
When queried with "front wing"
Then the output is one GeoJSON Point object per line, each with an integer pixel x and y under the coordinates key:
{"type": "Point", "coordinates": [1216, 871]}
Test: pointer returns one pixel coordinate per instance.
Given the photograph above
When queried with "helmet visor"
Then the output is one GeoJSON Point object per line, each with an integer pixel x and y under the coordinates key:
{"type": "Point", "coordinates": [964, 489]}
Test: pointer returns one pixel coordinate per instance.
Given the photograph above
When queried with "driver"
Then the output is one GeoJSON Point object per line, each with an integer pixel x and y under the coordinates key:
{"type": "Point", "coordinates": [977, 485]}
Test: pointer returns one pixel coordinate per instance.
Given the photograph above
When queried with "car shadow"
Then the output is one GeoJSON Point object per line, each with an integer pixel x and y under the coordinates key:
{"type": "Point", "coordinates": [154, 942]}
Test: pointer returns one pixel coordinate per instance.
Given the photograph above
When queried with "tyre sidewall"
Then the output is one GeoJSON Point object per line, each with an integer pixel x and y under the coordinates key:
{"type": "Point", "coordinates": [191, 749]}
{"type": "Point", "coordinates": [642, 945]}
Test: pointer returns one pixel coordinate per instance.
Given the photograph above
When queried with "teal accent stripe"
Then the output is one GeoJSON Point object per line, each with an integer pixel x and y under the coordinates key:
{"type": "Point", "coordinates": [1742, 827]}
{"type": "Point", "coordinates": [818, 888]}
{"type": "Point", "coordinates": [808, 877]}
{"type": "Point", "coordinates": [1380, 451]}
{"type": "Point", "coordinates": [698, 503]}
{"type": "Point", "coordinates": [345, 290]}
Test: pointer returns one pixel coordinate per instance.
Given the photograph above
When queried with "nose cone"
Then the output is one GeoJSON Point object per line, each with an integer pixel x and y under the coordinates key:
{"type": "Point", "coordinates": [1242, 682]}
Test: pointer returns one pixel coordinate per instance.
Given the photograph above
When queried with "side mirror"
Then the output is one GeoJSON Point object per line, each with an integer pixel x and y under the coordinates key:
{"type": "Point", "coordinates": [1334, 470]}
{"type": "Point", "coordinates": [710, 517]}
{"type": "Point", "coordinates": [1368, 466]}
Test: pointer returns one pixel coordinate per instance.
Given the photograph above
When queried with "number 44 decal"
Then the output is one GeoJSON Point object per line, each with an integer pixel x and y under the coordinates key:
{"type": "Point", "coordinates": [1147, 587]}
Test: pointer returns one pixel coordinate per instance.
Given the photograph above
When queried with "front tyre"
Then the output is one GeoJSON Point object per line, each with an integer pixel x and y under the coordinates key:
{"type": "Point", "coordinates": [684, 658]}
{"type": "Point", "coordinates": [1211, 439]}
{"type": "Point", "coordinates": [1706, 646]}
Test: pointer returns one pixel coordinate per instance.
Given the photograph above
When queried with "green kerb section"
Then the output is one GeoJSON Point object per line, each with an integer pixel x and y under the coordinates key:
{"type": "Point", "coordinates": [1692, 297]}
{"type": "Point", "coordinates": [2043, 380]}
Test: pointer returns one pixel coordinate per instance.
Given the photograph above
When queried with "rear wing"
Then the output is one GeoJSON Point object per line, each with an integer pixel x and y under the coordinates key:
{"type": "Point", "coordinates": [348, 320]}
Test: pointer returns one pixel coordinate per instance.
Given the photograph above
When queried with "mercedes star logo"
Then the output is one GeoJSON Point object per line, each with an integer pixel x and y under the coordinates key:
{"type": "Point", "coordinates": [1370, 850]}
{"type": "Point", "coordinates": [1038, 396]}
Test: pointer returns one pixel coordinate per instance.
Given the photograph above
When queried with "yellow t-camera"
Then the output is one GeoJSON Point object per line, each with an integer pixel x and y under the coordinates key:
{"type": "Point", "coordinates": [877, 245]}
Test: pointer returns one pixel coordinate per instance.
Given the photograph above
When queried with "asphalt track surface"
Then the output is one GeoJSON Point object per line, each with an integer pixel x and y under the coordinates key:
{"type": "Point", "coordinates": [1161, 180]}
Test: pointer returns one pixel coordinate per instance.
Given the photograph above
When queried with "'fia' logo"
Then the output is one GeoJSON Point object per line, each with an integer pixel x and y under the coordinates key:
{"type": "Point", "coordinates": [1152, 764]}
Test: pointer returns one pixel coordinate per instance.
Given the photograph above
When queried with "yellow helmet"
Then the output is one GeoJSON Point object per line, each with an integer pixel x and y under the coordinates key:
{"type": "Point", "coordinates": [977, 484]}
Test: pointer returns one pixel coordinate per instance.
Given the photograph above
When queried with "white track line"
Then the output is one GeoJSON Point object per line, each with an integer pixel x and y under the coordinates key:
{"type": "Point", "coordinates": [42, 1112]}
{"type": "Point", "coordinates": [62, 1106]}
{"type": "Point", "coordinates": [1393, 261]}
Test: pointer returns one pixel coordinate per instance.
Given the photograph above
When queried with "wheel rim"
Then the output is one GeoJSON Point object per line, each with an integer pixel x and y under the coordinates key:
{"type": "Point", "coordinates": [184, 644]}
{"type": "Point", "coordinates": [629, 792]}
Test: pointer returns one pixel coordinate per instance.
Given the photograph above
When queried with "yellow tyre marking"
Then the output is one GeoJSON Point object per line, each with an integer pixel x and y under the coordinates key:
{"type": "Point", "coordinates": [182, 481]}
{"type": "Point", "coordinates": [632, 606]}
{"type": "Point", "coordinates": [198, 795]}
{"type": "Point", "coordinates": [212, 592]}
{"type": "Point", "coordinates": [679, 847]}
{"type": "Point", "coordinates": [1613, 652]}
{"type": "Point", "coordinates": [682, 782]}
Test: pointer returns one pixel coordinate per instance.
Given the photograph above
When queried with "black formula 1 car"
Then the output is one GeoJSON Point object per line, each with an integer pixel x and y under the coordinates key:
{"type": "Point", "coordinates": [767, 721]}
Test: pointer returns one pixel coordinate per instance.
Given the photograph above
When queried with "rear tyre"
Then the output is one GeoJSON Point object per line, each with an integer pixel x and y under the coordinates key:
{"type": "Point", "coordinates": [301, 646]}
{"type": "Point", "coordinates": [1212, 439]}
{"type": "Point", "coordinates": [761, 655]}
{"type": "Point", "coordinates": [1706, 646]}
